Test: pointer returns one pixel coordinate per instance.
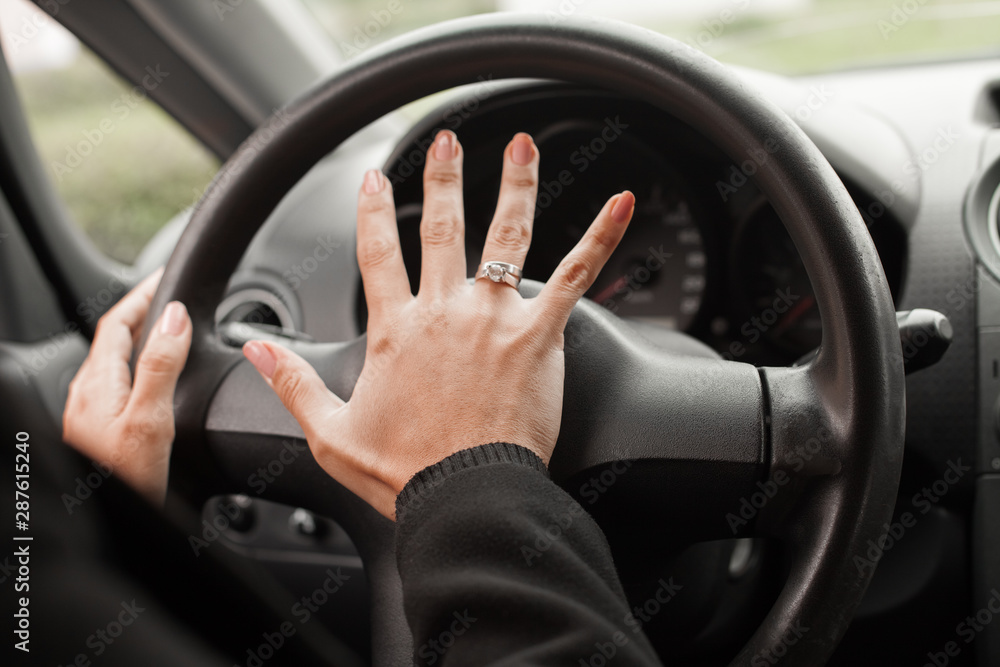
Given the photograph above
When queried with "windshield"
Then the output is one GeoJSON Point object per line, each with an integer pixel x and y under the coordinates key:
{"type": "Point", "coordinates": [783, 36]}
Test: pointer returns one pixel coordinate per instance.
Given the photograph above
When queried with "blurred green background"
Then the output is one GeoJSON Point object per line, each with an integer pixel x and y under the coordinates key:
{"type": "Point", "coordinates": [149, 169]}
{"type": "Point", "coordinates": [136, 178]}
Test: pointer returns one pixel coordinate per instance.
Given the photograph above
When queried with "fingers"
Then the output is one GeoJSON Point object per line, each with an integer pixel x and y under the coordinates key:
{"type": "Point", "coordinates": [296, 383]}
{"type": "Point", "coordinates": [379, 255]}
{"type": "Point", "coordinates": [578, 270]}
{"type": "Point", "coordinates": [442, 227]}
{"type": "Point", "coordinates": [158, 368]}
{"type": "Point", "coordinates": [117, 328]}
{"type": "Point", "coordinates": [509, 235]}
{"type": "Point", "coordinates": [132, 308]}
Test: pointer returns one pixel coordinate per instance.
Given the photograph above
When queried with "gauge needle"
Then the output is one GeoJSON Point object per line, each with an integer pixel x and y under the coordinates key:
{"type": "Point", "coordinates": [610, 290]}
{"type": "Point", "coordinates": [800, 309]}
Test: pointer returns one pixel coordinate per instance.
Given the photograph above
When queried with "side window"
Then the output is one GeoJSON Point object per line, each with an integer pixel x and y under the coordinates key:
{"type": "Point", "coordinates": [122, 165]}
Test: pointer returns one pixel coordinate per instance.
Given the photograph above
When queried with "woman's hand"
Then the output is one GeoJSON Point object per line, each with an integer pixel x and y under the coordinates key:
{"type": "Point", "coordinates": [125, 425]}
{"type": "Point", "coordinates": [458, 365]}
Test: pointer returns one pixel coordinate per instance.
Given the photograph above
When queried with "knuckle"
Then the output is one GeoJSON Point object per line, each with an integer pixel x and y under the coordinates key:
{"type": "Point", "coordinates": [440, 230]}
{"type": "Point", "coordinates": [603, 238]}
{"type": "Point", "coordinates": [443, 177]}
{"type": "Point", "coordinates": [156, 362]}
{"type": "Point", "coordinates": [376, 251]}
{"type": "Point", "coordinates": [575, 274]}
{"type": "Point", "coordinates": [294, 389]}
{"type": "Point", "coordinates": [136, 431]}
{"type": "Point", "coordinates": [381, 345]}
{"type": "Point", "coordinates": [521, 181]}
{"type": "Point", "coordinates": [373, 205]}
{"type": "Point", "coordinates": [512, 235]}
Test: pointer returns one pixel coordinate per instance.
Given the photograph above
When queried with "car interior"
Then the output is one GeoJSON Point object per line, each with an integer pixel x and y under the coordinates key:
{"type": "Point", "coordinates": [796, 347]}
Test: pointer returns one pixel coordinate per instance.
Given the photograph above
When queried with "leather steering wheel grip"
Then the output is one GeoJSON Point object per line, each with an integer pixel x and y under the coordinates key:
{"type": "Point", "coordinates": [851, 395]}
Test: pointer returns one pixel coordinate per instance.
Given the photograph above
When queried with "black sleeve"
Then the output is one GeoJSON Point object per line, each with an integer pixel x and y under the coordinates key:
{"type": "Point", "coordinates": [501, 566]}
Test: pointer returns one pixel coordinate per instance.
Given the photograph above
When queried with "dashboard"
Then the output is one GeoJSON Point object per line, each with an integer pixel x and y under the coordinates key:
{"type": "Point", "coordinates": [705, 253]}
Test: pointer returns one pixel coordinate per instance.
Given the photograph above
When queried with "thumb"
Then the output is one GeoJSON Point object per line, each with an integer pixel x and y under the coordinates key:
{"type": "Point", "coordinates": [296, 383]}
{"type": "Point", "coordinates": [162, 360]}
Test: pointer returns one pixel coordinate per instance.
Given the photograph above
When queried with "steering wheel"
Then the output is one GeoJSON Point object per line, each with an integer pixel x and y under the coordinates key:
{"type": "Point", "coordinates": [700, 432]}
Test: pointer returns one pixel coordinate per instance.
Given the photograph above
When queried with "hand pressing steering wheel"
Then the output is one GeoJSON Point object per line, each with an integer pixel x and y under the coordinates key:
{"type": "Point", "coordinates": [470, 363]}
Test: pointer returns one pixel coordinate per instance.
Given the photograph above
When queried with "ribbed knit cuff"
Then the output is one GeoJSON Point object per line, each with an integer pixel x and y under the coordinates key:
{"type": "Point", "coordinates": [423, 483]}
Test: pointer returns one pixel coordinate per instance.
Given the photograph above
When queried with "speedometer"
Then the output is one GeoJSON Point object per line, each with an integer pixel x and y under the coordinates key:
{"type": "Point", "coordinates": [657, 274]}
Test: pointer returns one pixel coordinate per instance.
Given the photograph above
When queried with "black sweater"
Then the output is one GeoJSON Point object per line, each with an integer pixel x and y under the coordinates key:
{"type": "Point", "coordinates": [501, 566]}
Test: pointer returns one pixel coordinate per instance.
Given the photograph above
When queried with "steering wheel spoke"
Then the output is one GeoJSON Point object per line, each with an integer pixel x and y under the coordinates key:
{"type": "Point", "coordinates": [665, 425]}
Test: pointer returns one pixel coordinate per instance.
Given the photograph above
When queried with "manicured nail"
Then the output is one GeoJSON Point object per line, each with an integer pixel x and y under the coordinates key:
{"type": "Point", "coordinates": [444, 146]}
{"type": "Point", "coordinates": [523, 150]}
{"type": "Point", "coordinates": [373, 181]}
{"type": "Point", "coordinates": [622, 210]}
{"type": "Point", "coordinates": [261, 357]}
{"type": "Point", "coordinates": [174, 319]}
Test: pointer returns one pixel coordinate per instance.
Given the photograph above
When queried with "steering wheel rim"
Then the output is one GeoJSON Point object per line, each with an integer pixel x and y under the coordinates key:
{"type": "Point", "coordinates": [846, 406]}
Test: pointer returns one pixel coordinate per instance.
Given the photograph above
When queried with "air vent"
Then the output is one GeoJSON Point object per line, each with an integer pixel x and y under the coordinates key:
{"type": "Point", "coordinates": [255, 306]}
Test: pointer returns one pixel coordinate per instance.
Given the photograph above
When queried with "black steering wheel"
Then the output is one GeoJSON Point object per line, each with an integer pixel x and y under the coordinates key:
{"type": "Point", "coordinates": [702, 434]}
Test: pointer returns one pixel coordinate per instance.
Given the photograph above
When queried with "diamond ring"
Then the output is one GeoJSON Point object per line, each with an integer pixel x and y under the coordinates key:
{"type": "Point", "coordinates": [501, 272]}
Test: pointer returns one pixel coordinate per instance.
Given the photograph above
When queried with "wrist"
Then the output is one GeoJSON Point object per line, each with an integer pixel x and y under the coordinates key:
{"type": "Point", "coordinates": [423, 483]}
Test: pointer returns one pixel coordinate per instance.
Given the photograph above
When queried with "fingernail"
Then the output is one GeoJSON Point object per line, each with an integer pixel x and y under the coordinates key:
{"type": "Point", "coordinates": [174, 319]}
{"type": "Point", "coordinates": [444, 146]}
{"type": "Point", "coordinates": [373, 181]}
{"type": "Point", "coordinates": [261, 357]}
{"type": "Point", "coordinates": [523, 150]}
{"type": "Point", "coordinates": [622, 210]}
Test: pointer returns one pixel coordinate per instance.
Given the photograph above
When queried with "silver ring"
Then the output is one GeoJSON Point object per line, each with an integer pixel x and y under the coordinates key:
{"type": "Point", "coordinates": [500, 272]}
